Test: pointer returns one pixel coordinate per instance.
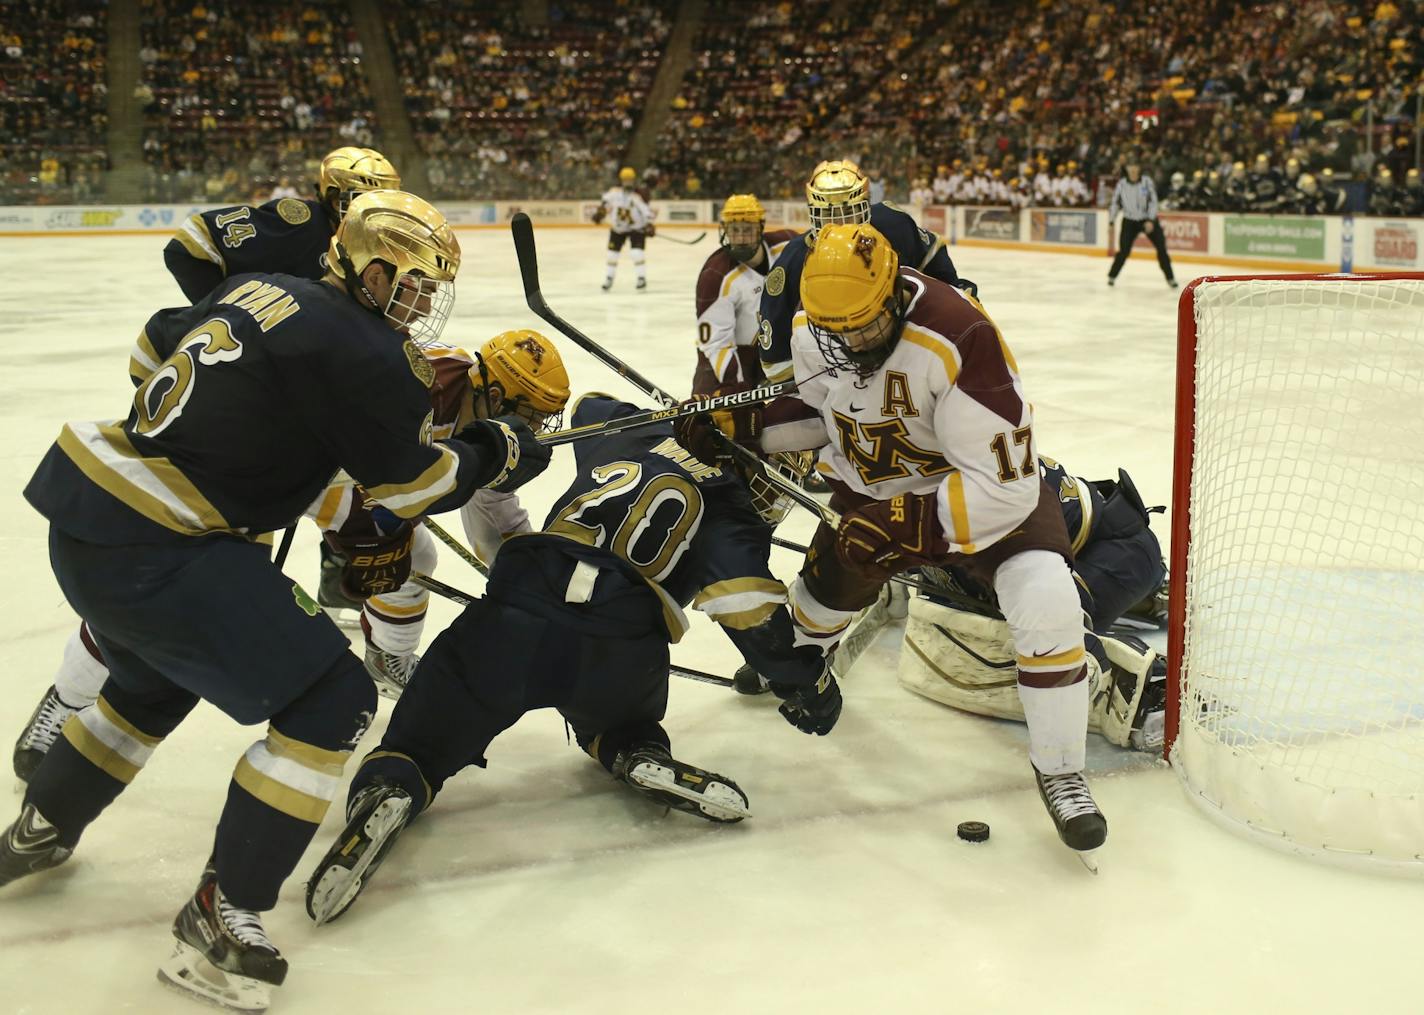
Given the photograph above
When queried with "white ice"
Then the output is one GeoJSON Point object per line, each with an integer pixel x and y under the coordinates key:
{"type": "Point", "coordinates": [539, 885]}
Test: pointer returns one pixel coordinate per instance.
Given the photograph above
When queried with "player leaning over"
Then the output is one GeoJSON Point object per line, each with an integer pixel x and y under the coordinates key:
{"type": "Point", "coordinates": [264, 389]}
{"type": "Point", "coordinates": [289, 235]}
{"type": "Point", "coordinates": [729, 295]}
{"type": "Point", "coordinates": [839, 193]}
{"type": "Point", "coordinates": [518, 373]}
{"type": "Point", "coordinates": [578, 617]}
{"type": "Point", "coordinates": [630, 220]}
{"type": "Point", "coordinates": [929, 440]}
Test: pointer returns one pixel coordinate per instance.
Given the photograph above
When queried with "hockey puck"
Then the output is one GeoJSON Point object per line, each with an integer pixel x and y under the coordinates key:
{"type": "Point", "coordinates": [973, 831]}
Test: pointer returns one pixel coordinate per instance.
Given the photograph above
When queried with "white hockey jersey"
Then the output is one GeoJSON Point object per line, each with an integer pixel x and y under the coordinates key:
{"type": "Point", "coordinates": [728, 298]}
{"type": "Point", "coordinates": [945, 414]}
{"type": "Point", "coordinates": [626, 210]}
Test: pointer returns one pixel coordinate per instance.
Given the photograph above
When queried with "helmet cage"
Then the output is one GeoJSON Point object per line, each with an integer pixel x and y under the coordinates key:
{"type": "Point", "coordinates": [878, 339]}
{"type": "Point", "coordinates": [419, 307]}
{"type": "Point", "coordinates": [851, 212]}
{"type": "Point", "coordinates": [769, 500]}
{"type": "Point", "coordinates": [740, 251]}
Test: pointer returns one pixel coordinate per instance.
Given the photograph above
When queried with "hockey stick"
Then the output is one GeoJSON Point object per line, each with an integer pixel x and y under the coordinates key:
{"type": "Point", "coordinates": [765, 393]}
{"type": "Point", "coordinates": [286, 546]}
{"type": "Point", "coordinates": [461, 550]}
{"type": "Point", "coordinates": [465, 599]}
{"type": "Point", "coordinates": [523, 232]}
{"type": "Point", "coordinates": [686, 243]}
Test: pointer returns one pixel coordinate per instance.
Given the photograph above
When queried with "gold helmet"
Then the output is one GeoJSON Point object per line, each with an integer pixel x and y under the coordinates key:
{"type": "Point", "coordinates": [1263, 162]}
{"type": "Point", "coordinates": [740, 226]}
{"type": "Point", "coordinates": [349, 171]}
{"type": "Point", "coordinates": [1292, 168]}
{"type": "Point", "coordinates": [1306, 183]}
{"type": "Point", "coordinates": [409, 235]}
{"type": "Point", "coordinates": [770, 500]}
{"type": "Point", "coordinates": [837, 192]}
{"type": "Point", "coordinates": [531, 375]}
{"type": "Point", "coordinates": [848, 290]}
{"type": "Point", "coordinates": [627, 176]}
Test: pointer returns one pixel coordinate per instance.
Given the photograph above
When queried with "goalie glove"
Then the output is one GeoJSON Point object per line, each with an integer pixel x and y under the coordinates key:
{"type": "Point", "coordinates": [510, 453]}
{"type": "Point", "coordinates": [891, 536]}
{"type": "Point", "coordinates": [811, 708]}
{"type": "Point", "coordinates": [375, 564]}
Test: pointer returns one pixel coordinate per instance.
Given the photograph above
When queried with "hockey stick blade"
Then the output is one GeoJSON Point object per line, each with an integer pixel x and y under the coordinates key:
{"type": "Point", "coordinates": [524, 249]}
{"type": "Point", "coordinates": [765, 393]}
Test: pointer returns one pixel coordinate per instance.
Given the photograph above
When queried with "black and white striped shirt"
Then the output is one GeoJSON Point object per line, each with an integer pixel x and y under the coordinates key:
{"type": "Point", "coordinates": [1136, 201]}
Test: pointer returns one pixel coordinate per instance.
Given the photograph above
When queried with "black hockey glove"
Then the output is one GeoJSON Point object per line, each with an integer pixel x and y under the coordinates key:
{"type": "Point", "coordinates": [375, 564]}
{"type": "Point", "coordinates": [511, 453]}
{"type": "Point", "coordinates": [812, 708]}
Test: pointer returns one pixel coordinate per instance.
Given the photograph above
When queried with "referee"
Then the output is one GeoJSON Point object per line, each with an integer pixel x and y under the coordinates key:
{"type": "Point", "coordinates": [1136, 198]}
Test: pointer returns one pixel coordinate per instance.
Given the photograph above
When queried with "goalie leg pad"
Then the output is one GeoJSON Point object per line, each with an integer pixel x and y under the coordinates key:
{"type": "Point", "coordinates": [1129, 697]}
{"type": "Point", "coordinates": [960, 659]}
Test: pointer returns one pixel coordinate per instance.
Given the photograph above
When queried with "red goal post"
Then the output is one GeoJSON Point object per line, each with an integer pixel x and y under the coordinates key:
{"type": "Point", "coordinates": [1288, 717]}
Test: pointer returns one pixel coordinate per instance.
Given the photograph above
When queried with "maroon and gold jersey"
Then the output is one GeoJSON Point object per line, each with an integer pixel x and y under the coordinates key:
{"type": "Point", "coordinates": [728, 296]}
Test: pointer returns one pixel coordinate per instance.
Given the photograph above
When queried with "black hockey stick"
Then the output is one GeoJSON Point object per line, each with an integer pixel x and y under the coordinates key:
{"type": "Point", "coordinates": [465, 599]}
{"type": "Point", "coordinates": [765, 393]}
{"type": "Point", "coordinates": [686, 243]}
{"type": "Point", "coordinates": [523, 231]}
{"type": "Point", "coordinates": [461, 550]}
{"type": "Point", "coordinates": [286, 546]}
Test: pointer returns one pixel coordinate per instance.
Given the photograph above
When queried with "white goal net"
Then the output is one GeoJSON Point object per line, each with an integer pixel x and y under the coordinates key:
{"type": "Point", "coordinates": [1300, 511]}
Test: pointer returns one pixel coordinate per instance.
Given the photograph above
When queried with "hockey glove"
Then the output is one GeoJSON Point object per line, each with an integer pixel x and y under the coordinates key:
{"type": "Point", "coordinates": [743, 424]}
{"type": "Point", "coordinates": [650, 229]}
{"type": "Point", "coordinates": [811, 708]}
{"type": "Point", "coordinates": [891, 536]}
{"type": "Point", "coordinates": [511, 453]}
{"type": "Point", "coordinates": [376, 564]}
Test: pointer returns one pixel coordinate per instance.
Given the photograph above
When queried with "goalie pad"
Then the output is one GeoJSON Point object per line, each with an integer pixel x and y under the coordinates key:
{"type": "Point", "coordinates": [968, 661]}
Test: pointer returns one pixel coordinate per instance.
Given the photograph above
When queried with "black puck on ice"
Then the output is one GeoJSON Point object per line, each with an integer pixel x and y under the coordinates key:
{"type": "Point", "coordinates": [973, 831]}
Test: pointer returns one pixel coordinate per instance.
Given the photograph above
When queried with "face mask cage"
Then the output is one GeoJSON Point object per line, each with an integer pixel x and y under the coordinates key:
{"type": "Point", "coordinates": [539, 422]}
{"type": "Point", "coordinates": [769, 501]}
{"type": "Point", "coordinates": [419, 307]}
{"type": "Point", "coordinates": [846, 213]}
{"type": "Point", "coordinates": [864, 350]}
{"type": "Point", "coordinates": [742, 239]}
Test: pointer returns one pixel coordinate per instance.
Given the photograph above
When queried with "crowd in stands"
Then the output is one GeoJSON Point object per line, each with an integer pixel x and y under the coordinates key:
{"type": "Point", "coordinates": [241, 99]}
{"type": "Point", "coordinates": [958, 101]}
{"type": "Point", "coordinates": [505, 109]}
{"type": "Point", "coordinates": [53, 100]}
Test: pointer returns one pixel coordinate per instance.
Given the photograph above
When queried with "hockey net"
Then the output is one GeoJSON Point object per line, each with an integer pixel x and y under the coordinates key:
{"type": "Point", "coordinates": [1296, 631]}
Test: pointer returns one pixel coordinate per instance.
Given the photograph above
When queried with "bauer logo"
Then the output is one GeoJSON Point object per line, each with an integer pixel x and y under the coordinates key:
{"type": "Point", "coordinates": [1397, 245]}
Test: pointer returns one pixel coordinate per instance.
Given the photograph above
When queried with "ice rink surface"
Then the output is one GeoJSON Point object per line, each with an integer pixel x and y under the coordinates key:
{"type": "Point", "coordinates": [539, 885]}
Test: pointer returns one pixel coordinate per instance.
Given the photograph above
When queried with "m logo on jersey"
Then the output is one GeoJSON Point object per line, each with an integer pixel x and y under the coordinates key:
{"type": "Point", "coordinates": [882, 451]}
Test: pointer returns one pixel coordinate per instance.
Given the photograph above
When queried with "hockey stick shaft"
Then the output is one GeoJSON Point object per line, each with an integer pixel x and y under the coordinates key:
{"type": "Point", "coordinates": [461, 550]}
{"type": "Point", "coordinates": [765, 393]}
{"type": "Point", "coordinates": [465, 599]}
{"type": "Point", "coordinates": [523, 232]}
{"type": "Point", "coordinates": [686, 243]}
{"type": "Point", "coordinates": [285, 547]}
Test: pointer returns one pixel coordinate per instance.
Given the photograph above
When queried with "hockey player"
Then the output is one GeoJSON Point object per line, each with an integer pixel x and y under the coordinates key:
{"type": "Point", "coordinates": [838, 192]}
{"type": "Point", "coordinates": [518, 373]}
{"type": "Point", "coordinates": [578, 617]}
{"type": "Point", "coordinates": [630, 221]}
{"type": "Point", "coordinates": [287, 236]}
{"type": "Point", "coordinates": [915, 400]}
{"type": "Point", "coordinates": [729, 294]}
{"type": "Point", "coordinates": [153, 538]}
{"type": "Point", "coordinates": [959, 650]}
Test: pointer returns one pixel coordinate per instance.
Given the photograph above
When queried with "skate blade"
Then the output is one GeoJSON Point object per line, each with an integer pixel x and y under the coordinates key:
{"type": "Point", "coordinates": [337, 886]}
{"type": "Point", "coordinates": [716, 801]}
{"type": "Point", "coordinates": [387, 690]}
{"type": "Point", "coordinates": [1088, 859]}
{"type": "Point", "coordinates": [347, 620]}
{"type": "Point", "coordinates": [189, 971]}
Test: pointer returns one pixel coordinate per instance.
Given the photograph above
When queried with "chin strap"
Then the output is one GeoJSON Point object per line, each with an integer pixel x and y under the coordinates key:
{"type": "Point", "coordinates": [355, 285]}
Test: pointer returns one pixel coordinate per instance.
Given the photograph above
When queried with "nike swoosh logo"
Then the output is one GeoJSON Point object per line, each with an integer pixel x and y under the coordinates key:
{"type": "Point", "coordinates": [856, 408]}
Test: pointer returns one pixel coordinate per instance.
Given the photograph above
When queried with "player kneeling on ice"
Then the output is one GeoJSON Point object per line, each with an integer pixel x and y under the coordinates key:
{"type": "Point", "coordinates": [915, 400]}
{"type": "Point", "coordinates": [516, 373]}
{"type": "Point", "coordinates": [579, 617]}
{"type": "Point", "coordinates": [959, 650]}
{"type": "Point", "coordinates": [260, 393]}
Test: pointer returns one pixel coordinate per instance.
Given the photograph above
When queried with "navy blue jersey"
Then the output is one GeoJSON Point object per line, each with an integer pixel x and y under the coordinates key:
{"type": "Point", "coordinates": [287, 236]}
{"type": "Point", "coordinates": [1078, 499]}
{"type": "Point", "coordinates": [781, 296]}
{"type": "Point", "coordinates": [642, 503]}
{"type": "Point", "coordinates": [248, 403]}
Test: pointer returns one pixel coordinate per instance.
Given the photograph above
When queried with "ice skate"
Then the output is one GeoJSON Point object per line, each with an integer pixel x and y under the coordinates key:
{"type": "Point", "coordinates": [607, 284]}
{"type": "Point", "coordinates": [40, 733]}
{"type": "Point", "coordinates": [642, 283]}
{"type": "Point", "coordinates": [376, 817]}
{"type": "Point", "coordinates": [1080, 824]}
{"type": "Point", "coordinates": [651, 770]}
{"type": "Point", "coordinates": [222, 953]}
{"type": "Point", "coordinates": [390, 671]}
{"type": "Point", "coordinates": [748, 681]}
{"type": "Point", "coordinates": [29, 846]}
